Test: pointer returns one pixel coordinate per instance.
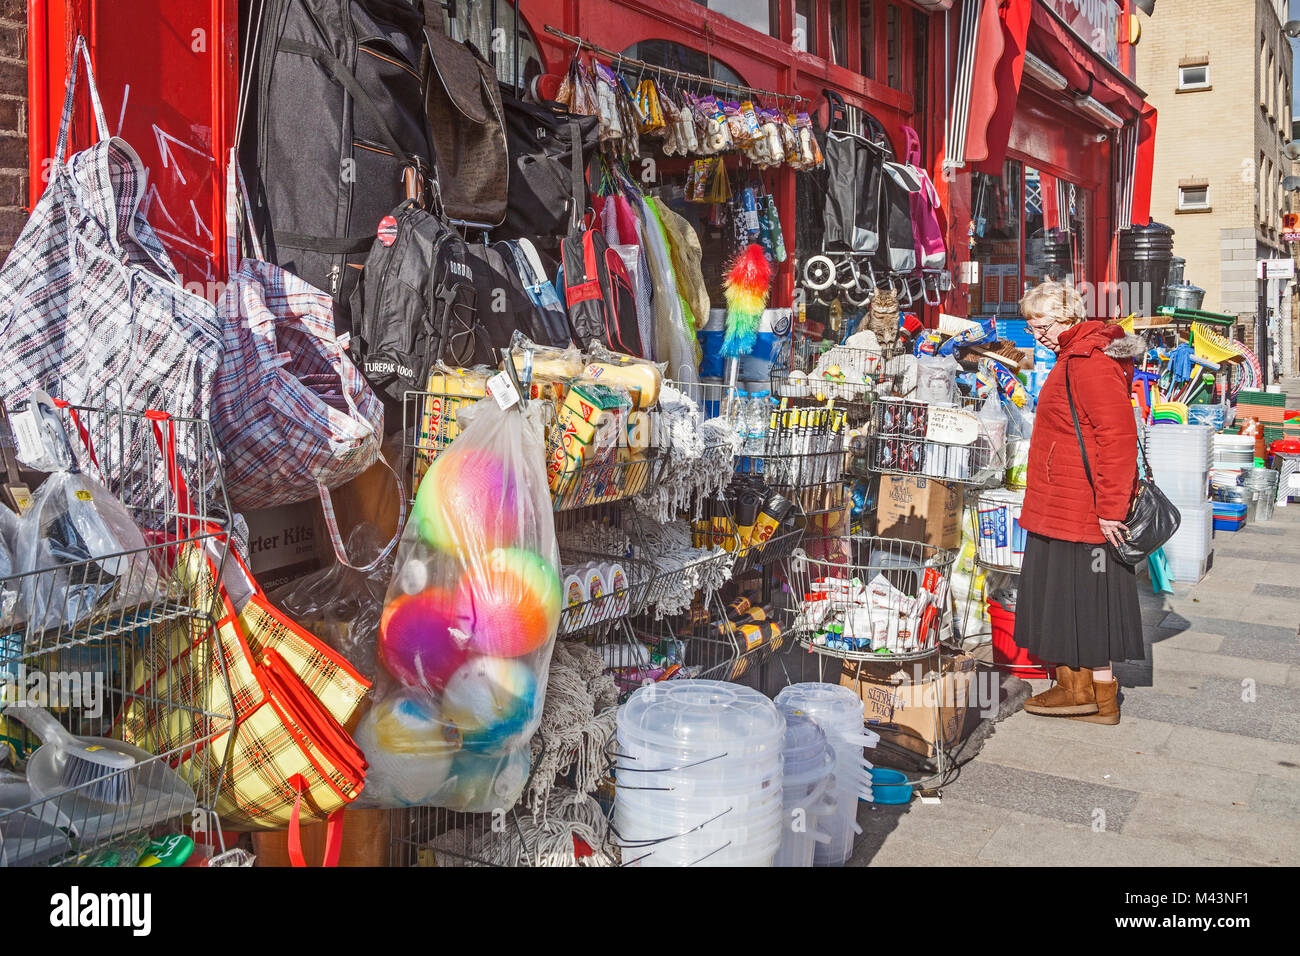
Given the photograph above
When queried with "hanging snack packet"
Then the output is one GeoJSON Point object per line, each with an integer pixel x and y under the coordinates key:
{"type": "Point", "coordinates": [652, 116]}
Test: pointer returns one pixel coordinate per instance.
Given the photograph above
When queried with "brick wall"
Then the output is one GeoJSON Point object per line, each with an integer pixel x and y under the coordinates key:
{"type": "Point", "coordinates": [13, 121]}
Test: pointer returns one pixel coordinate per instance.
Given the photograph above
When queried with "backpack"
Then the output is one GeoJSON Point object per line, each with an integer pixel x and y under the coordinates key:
{"type": "Point", "coordinates": [416, 302]}
{"type": "Point", "coordinates": [468, 131]}
{"type": "Point", "coordinates": [332, 116]}
{"type": "Point", "coordinates": [504, 304]}
{"type": "Point", "coordinates": [599, 294]}
{"type": "Point", "coordinates": [853, 192]}
{"type": "Point", "coordinates": [549, 151]}
{"type": "Point", "coordinates": [931, 254]}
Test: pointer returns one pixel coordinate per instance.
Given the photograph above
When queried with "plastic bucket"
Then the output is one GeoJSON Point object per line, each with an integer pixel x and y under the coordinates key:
{"type": "Point", "coordinates": [1006, 653]}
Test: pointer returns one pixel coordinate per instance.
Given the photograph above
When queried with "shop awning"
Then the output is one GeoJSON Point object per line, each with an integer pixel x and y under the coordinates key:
{"type": "Point", "coordinates": [1134, 164]}
{"type": "Point", "coordinates": [1086, 72]}
{"type": "Point", "coordinates": [997, 84]}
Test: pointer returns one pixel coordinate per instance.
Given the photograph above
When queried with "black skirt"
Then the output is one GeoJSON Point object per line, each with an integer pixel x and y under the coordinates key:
{"type": "Point", "coordinates": [1077, 605]}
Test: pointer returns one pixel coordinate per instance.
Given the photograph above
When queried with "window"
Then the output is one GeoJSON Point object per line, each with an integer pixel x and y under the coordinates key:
{"type": "Point", "coordinates": [920, 43]}
{"type": "Point", "coordinates": [805, 26]}
{"type": "Point", "coordinates": [839, 33]}
{"type": "Point", "coordinates": [760, 16]}
{"type": "Point", "coordinates": [1194, 77]}
{"type": "Point", "coordinates": [473, 22]}
{"type": "Point", "coordinates": [867, 38]}
{"type": "Point", "coordinates": [1194, 197]}
{"type": "Point", "coordinates": [894, 47]}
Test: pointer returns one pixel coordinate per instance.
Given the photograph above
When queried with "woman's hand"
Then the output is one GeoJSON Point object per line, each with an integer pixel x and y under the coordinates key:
{"type": "Point", "coordinates": [1113, 531]}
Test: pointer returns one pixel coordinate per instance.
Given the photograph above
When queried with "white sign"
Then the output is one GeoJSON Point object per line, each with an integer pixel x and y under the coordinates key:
{"type": "Point", "coordinates": [1276, 269]}
{"type": "Point", "coordinates": [1095, 21]}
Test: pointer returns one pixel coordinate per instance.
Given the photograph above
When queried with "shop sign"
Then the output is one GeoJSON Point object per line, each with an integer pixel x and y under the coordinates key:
{"type": "Point", "coordinates": [1291, 237]}
{"type": "Point", "coordinates": [1277, 268]}
{"type": "Point", "coordinates": [1096, 22]}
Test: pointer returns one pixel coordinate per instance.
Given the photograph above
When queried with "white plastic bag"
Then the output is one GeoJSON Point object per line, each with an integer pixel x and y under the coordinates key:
{"type": "Point", "coordinates": [91, 549]}
{"type": "Point", "coordinates": [469, 623]}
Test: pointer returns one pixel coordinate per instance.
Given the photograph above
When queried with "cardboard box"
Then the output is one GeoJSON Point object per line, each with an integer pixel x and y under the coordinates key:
{"type": "Point", "coordinates": [282, 543]}
{"type": "Point", "coordinates": [919, 509]}
{"type": "Point", "coordinates": [900, 701]}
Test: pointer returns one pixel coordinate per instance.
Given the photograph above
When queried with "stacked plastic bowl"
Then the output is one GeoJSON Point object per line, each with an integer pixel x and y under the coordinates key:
{"type": "Point", "coordinates": [1180, 457]}
{"type": "Point", "coordinates": [807, 783]}
{"type": "Point", "coordinates": [838, 711]}
{"type": "Point", "coordinates": [698, 775]}
{"type": "Point", "coordinates": [1234, 451]}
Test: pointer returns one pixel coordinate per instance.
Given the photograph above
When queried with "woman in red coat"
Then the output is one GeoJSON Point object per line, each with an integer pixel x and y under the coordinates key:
{"type": "Point", "coordinates": [1077, 606]}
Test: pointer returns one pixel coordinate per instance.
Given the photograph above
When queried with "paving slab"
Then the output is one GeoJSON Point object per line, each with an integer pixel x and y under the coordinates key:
{"type": "Point", "coordinates": [1232, 751]}
{"type": "Point", "coordinates": [1048, 844]}
{"type": "Point", "coordinates": [1218, 665]}
{"type": "Point", "coordinates": [1205, 828]}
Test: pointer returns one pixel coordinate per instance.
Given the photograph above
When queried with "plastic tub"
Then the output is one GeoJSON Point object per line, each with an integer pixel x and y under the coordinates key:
{"type": "Point", "coordinates": [799, 843]}
{"type": "Point", "coordinates": [1006, 652]}
{"type": "Point", "coordinates": [688, 715]}
{"type": "Point", "coordinates": [891, 786]}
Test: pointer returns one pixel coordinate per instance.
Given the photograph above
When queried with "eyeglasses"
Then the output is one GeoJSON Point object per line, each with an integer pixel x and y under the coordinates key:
{"type": "Point", "coordinates": [1041, 328]}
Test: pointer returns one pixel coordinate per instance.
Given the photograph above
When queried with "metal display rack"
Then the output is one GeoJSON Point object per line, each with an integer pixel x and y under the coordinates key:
{"type": "Point", "coordinates": [902, 442]}
{"type": "Point", "coordinates": [80, 630]}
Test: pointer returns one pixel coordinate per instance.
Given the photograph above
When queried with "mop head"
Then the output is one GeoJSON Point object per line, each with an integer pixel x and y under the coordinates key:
{"type": "Point", "coordinates": [746, 290]}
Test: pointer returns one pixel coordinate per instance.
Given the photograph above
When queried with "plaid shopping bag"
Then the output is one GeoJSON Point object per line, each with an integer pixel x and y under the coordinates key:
{"type": "Point", "coordinates": [284, 755]}
{"type": "Point", "coordinates": [292, 413]}
{"type": "Point", "coordinates": [93, 311]}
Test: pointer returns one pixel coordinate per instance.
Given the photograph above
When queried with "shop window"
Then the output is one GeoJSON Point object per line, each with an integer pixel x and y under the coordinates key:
{"type": "Point", "coordinates": [1194, 77]}
{"type": "Point", "coordinates": [1194, 197]}
{"type": "Point", "coordinates": [476, 22]}
{"type": "Point", "coordinates": [894, 47]}
{"type": "Point", "coordinates": [839, 33]}
{"type": "Point", "coordinates": [867, 38]}
{"type": "Point", "coordinates": [805, 26]}
{"type": "Point", "coordinates": [1056, 229]}
{"type": "Point", "coordinates": [754, 14]}
{"type": "Point", "coordinates": [675, 56]}
{"type": "Point", "coordinates": [996, 208]}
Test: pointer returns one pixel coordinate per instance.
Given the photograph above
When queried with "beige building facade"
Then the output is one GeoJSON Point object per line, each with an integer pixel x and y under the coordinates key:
{"type": "Point", "coordinates": [1220, 74]}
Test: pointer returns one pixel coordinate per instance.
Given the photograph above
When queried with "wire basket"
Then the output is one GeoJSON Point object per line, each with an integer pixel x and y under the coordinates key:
{"type": "Point", "coordinates": [430, 422]}
{"type": "Point", "coordinates": [841, 373]}
{"type": "Point", "coordinates": [603, 610]}
{"type": "Point", "coordinates": [868, 598]}
{"type": "Point", "coordinates": [78, 641]}
{"type": "Point", "coordinates": [947, 443]}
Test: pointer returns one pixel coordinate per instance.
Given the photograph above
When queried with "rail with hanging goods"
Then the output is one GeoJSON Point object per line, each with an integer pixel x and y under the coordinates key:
{"type": "Point", "coordinates": [625, 60]}
{"type": "Point", "coordinates": [112, 738]}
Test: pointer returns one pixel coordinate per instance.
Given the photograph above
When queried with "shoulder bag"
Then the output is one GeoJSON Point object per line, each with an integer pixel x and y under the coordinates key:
{"type": "Point", "coordinates": [1152, 518]}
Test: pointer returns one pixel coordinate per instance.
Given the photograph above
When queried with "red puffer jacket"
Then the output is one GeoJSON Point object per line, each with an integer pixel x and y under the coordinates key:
{"type": "Point", "coordinates": [1059, 501]}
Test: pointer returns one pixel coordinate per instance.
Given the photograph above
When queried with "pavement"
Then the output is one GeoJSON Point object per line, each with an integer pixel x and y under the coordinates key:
{"type": "Point", "coordinates": [1203, 769]}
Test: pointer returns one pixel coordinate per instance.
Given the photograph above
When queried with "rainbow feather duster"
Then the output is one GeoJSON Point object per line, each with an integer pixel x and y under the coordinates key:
{"type": "Point", "coordinates": [746, 289]}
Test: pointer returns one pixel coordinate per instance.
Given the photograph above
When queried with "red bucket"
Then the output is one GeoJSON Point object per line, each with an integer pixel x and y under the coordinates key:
{"type": "Point", "coordinates": [1006, 653]}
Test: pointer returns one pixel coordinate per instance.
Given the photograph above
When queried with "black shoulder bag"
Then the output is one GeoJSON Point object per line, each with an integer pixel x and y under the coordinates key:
{"type": "Point", "coordinates": [1152, 518]}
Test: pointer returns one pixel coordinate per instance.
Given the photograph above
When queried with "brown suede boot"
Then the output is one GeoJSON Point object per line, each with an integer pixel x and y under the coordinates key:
{"type": "Point", "coordinates": [1072, 695]}
{"type": "Point", "coordinates": [1107, 694]}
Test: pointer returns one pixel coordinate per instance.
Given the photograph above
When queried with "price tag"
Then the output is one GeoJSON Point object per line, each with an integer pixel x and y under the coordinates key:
{"type": "Point", "coordinates": [503, 390]}
{"type": "Point", "coordinates": [952, 426]}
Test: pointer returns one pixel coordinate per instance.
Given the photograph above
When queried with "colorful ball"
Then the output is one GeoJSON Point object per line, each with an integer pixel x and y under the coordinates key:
{"type": "Point", "coordinates": [409, 749]}
{"type": "Point", "coordinates": [511, 602]}
{"type": "Point", "coordinates": [468, 502]}
{"type": "Point", "coordinates": [492, 701]}
{"type": "Point", "coordinates": [481, 783]}
{"type": "Point", "coordinates": [421, 637]}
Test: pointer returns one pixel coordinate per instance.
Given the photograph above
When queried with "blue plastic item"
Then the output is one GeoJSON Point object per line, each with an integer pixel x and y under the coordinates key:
{"type": "Point", "coordinates": [890, 786]}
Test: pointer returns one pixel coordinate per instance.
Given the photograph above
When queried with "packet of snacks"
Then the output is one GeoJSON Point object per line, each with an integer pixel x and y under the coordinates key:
{"type": "Point", "coordinates": [736, 126]}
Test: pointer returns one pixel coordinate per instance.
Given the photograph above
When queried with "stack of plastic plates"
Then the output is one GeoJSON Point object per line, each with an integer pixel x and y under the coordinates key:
{"type": "Point", "coordinates": [698, 775]}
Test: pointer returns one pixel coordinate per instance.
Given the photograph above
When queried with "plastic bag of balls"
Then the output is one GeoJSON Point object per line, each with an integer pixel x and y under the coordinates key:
{"type": "Point", "coordinates": [468, 624]}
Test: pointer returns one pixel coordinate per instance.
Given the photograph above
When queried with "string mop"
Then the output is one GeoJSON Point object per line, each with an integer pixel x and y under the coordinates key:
{"type": "Point", "coordinates": [745, 289]}
{"type": "Point", "coordinates": [698, 459]}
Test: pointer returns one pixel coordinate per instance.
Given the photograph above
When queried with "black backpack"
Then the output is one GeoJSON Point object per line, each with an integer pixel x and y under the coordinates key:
{"type": "Point", "coordinates": [503, 301]}
{"type": "Point", "coordinates": [416, 302]}
{"type": "Point", "coordinates": [599, 295]}
{"type": "Point", "coordinates": [332, 113]}
{"type": "Point", "coordinates": [547, 189]}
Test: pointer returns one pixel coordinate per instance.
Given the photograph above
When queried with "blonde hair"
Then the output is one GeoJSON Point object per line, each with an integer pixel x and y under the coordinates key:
{"type": "Point", "coordinates": [1054, 300]}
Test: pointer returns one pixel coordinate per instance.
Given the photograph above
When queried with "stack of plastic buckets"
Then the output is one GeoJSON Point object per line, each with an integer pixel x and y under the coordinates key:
{"type": "Point", "coordinates": [807, 783]}
{"type": "Point", "coordinates": [839, 713]}
{"type": "Point", "coordinates": [698, 775]}
{"type": "Point", "coordinates": [1180, 457]}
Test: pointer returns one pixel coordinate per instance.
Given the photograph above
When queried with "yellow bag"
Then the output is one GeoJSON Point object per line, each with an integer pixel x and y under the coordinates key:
{"type": "Point", "coordinates": [647, 102]}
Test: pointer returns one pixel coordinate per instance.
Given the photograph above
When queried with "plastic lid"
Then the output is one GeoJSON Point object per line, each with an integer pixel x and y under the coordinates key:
{"type": "Point", "coordinates": [691, 713]}
{"type": "Point", "coordinates": [836, 708]}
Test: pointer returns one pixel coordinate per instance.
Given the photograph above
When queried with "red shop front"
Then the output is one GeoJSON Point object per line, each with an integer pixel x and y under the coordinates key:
{"type": "Point", "coordinates": [1062, 166]}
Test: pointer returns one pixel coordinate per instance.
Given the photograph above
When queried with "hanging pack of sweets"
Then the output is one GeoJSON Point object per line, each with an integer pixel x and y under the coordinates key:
{"type": "Point", "coordinates": [629, 115]}
{"type": "Point", "coordinates": [699, 177]}
{"type": "Point", "coordinates": [577, 91]}
{"type": "Point", "coordinates": [651, 110]}
{"type": "Point", "coordinates": [719, 190]}
{"type": "Point", "coordinates": [611, 123]}
{"type": "Point", "coordinates": [789, 138]}
{"type": "Point", "coordinates": [469, 622]}
{"type": "Point", "coordinates": [718, 132]}
{"type": "Point", "coordinates": [672, 141]}
{"type": "Point", "coordinates": [774, 226]}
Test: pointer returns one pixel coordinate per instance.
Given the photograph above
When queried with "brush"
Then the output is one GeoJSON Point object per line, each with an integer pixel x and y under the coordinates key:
{"type": "Point", "coordinates": [93, 766]}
